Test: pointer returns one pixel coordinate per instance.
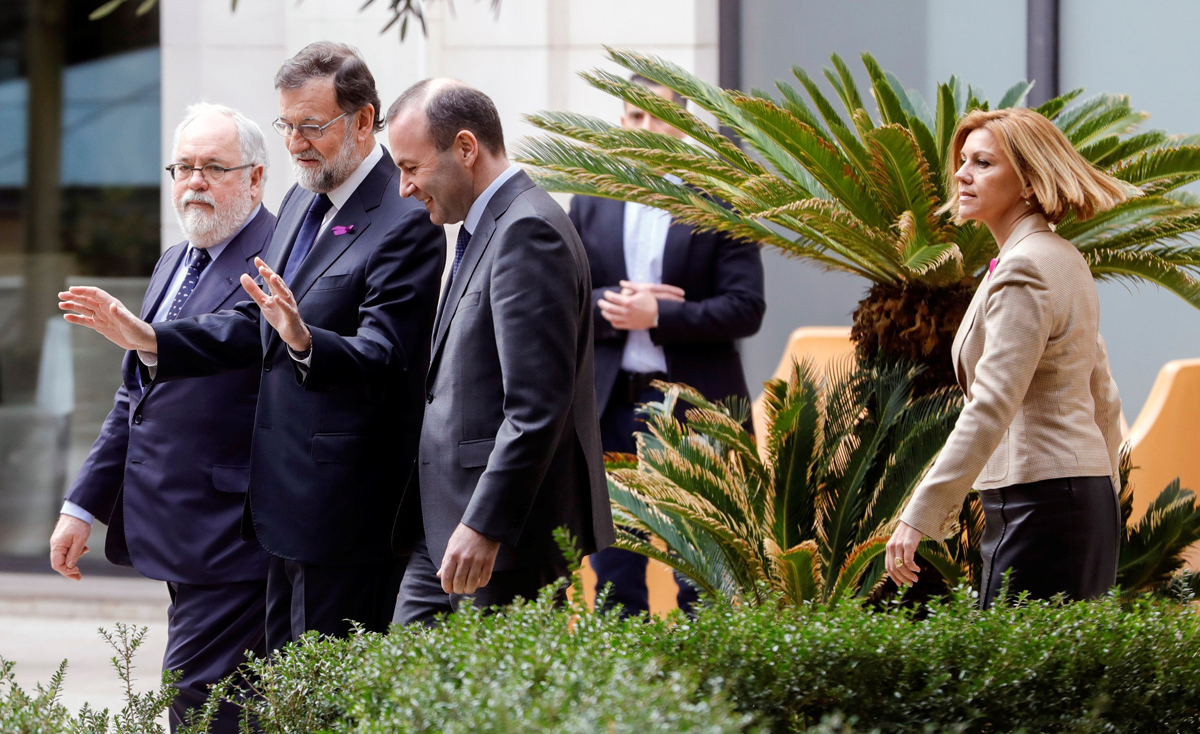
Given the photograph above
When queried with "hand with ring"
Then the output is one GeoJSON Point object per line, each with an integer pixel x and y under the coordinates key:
{"type": "Point", "coordinates": [901, 554]}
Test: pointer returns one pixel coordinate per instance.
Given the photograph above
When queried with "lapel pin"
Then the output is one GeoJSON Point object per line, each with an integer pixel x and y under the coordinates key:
{"type": "Point", "coordinates": [340, 230]}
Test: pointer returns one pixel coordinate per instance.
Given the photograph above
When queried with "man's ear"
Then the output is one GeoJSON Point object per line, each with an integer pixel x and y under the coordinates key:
{"type": "Point", "coordinates": [256, 180]}
{"type": "Point", "coordinates": [365, 120]}
{"type": "Point", "coordinates": [466, 147]}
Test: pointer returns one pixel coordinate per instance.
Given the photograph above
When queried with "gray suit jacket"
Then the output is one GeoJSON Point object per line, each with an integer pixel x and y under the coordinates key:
{"type": "Point", "coordinates": [1040, 401]}
{"type": "Point", "coordinates": [511, 440]}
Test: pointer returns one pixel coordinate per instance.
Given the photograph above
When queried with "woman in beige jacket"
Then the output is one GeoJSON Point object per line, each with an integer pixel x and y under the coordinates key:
{"type": "Point", "coordinates": [1040, 430]}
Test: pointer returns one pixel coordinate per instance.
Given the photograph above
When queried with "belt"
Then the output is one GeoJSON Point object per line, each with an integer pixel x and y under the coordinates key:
{"type": "Point", "coordinates": [630, 385]}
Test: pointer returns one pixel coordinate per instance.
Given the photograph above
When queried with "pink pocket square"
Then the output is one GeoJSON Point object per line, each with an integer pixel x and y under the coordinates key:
{"type": "Point", "coordinates": [340, 230]}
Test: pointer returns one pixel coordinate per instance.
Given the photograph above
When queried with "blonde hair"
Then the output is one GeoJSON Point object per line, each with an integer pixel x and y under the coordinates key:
{"type": "Point", "coordinates": [1062, 180]}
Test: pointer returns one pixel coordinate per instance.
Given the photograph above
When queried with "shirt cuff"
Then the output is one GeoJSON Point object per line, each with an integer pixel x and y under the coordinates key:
{"type": "Point", "coordinates": [303, 360]}
{"type": "Point", "coordinates": [150, 359]}
{"type": "Point", "coordinates": [74, 510]}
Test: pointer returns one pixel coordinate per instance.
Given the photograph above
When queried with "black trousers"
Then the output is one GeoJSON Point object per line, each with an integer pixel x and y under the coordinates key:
{"type": "Point", "coordinates": [304, 596]}
{"type": "Point", "coordinates": [1058, 536]}
{"type": "Point", "coordinates": [422, 599]}
{"type": "Point", "coordinates": [209, 630]}
{"type": "Point", "coordinates": [625, 570]}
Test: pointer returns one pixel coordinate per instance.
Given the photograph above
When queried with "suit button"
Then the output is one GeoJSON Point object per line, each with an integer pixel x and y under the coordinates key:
{"type": "Point", "coordinates": [137, 418]}
{"type": "Point", "coordinates": [267, 365]}
{"type": "Point", "coordinates": [428, 397]}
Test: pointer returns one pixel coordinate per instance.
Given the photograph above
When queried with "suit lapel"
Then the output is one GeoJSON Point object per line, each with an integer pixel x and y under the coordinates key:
{"type": "Point", "coordinates": [613, 212]}
{"type": "Point", "coordinates": [679, 237]}
{"type": "Point", "coordinates": [328, 246]}
{"type": "Point", "coordinates": [161, 281]}
{"type": "Point", "coordinates": [287, 229]}
{"type": "Point", "coordinates": [480, 238]}
{"type": "Point", "coordinates": [964, 329]}
{"type": "Point", "coordinates": [479, 242]}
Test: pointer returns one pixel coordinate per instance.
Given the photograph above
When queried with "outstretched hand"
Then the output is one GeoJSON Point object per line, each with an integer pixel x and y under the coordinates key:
{"type": "Point", "coordinates": [97, 310]}
{"type": "Point", "coordinates": [279, 307]}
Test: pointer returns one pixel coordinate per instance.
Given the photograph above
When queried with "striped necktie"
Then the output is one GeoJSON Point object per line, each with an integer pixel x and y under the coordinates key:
{"type": "Point", "coordinates": [199, 261]}
{"type": "Point", "coordinates": [464, 239]}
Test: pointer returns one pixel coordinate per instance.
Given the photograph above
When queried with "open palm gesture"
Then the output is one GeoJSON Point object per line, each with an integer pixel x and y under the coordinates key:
{"type": "Point", "coordinates": [100, 311]}
{"type": "Point", "coordinates": [278, 307]}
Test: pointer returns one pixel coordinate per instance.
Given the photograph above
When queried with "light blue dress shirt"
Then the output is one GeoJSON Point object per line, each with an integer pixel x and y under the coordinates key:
{"type": "Point", "coordinates": [475, 213]}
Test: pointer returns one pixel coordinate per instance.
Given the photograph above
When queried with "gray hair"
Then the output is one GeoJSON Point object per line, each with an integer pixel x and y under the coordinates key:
{"type": "Point", "coordinates": [252, 144]}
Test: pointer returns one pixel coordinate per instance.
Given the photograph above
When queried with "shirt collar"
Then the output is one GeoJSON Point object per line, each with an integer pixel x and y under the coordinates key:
{"type": "Point", "coordinates": [480, 206]}
{"type": "Point", "coordinates": [341, 194]}
{"type": "Point", "coordinates": [215, 251]}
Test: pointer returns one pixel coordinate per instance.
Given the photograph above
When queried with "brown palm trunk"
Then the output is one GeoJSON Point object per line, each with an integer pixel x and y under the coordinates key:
{"type": "Point", "coordinates": [915, 323]}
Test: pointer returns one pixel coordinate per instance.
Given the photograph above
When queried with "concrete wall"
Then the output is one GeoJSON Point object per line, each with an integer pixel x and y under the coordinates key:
{"type": "Point", "coordinates": [1106, 46]}
{"type": "Point", "coordinates": [527, 58]}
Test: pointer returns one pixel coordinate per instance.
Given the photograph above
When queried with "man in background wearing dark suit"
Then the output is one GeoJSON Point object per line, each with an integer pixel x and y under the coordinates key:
{"type": "Point", "coordinates": [168, 473]}
{"type": "Point", "coordinates": [670, 304]}
{"type": "Point", "coordinates": [342, 342]}
{"type": "Point", "coordinates": [510, 449]}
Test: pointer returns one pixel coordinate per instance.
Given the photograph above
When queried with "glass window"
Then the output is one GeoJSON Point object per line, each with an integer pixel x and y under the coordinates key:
{"type": "Point", "coordinates": [79, 199]}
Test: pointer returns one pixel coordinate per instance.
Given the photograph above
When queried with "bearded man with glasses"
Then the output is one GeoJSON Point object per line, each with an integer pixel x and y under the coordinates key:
{"type": "Point", "coordinates": [339, 325]}
{"type": "Point", "coordinates": [168, 473]}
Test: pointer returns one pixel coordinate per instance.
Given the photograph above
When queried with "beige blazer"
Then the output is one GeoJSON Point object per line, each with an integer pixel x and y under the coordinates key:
{"type": "Point", "coordinates": [1040, 401]}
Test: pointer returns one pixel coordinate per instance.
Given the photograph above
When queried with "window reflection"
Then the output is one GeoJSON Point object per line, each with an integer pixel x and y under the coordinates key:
{"type": "Point", "coordinates": [79, 200]}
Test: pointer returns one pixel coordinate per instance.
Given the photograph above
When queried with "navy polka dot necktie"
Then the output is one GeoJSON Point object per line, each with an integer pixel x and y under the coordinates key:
{"type": "Point", "coordinates": [464, 239]}
{"type": "Point", "coordinates": [199, 261]}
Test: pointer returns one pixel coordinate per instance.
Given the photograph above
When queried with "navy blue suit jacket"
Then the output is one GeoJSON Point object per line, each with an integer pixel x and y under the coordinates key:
{"type": "Point", "coordinates": [169, 472]}
{"type": "Point", "coordinates": [333, 449]}
{"type": "Point", "coordinates": [723, 282]}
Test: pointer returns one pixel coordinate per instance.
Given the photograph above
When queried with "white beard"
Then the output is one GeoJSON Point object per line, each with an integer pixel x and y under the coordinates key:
{"type": "Point", "coordinates": [331, 173]}
{"type": "Point", "coordinates": [205, 227]}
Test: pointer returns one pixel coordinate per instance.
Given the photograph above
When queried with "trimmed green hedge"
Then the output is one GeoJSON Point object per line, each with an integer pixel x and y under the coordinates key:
{"type": "Point", "coordinates": [1099, 666]}
{"type": "Point", "coordinates": [1041, 667]}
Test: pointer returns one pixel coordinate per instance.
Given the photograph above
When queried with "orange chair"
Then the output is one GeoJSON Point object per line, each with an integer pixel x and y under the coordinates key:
{"type": "Point", "coordinates": [818, 344]}
{"type": "Point", "coordinates": [1163, 439]}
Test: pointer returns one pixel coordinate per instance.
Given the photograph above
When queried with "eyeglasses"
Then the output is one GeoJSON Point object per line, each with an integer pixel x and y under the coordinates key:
{"type": "Point", "coordinates": [308, 132]}
{"type": "Point", "coordinates": [211, 171]}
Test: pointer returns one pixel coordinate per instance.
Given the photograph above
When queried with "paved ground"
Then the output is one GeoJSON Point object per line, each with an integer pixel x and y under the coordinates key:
{"type": "Point", "coordinates": [45, 619]}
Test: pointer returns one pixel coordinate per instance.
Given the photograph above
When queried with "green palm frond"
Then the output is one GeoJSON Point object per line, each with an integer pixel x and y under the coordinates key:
{"type": "Point", "coordinates": [807, 512]}
{"type": "Point", "coordinates": [859, 189]}
{"type": "Point", "coordinates": [1152, 549]}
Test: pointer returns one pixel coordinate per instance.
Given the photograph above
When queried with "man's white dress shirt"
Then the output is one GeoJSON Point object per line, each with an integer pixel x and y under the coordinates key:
{"type": "Point", "coordinates": [645, 239]}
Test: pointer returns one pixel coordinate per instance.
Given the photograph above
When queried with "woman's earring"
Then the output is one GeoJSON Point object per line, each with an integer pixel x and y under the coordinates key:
{"type": "Point", "coordinates": [1027, 203]}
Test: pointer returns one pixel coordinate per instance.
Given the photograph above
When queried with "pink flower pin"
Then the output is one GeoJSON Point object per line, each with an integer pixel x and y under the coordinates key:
{"type": "Point", "coordinates": [340, 230]}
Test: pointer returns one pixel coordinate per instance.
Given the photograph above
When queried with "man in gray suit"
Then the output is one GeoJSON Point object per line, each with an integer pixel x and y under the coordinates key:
{"type": "Point", "coordinates": [510, 447]}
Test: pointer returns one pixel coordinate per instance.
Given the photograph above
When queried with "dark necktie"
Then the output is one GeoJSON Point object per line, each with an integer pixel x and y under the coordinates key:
{"type": "Point", "coordinates": [306, 236]}
{"type": "Point", "coordinates": [199, 261]}
{"type": "Point", "coordinates": [464, 239]}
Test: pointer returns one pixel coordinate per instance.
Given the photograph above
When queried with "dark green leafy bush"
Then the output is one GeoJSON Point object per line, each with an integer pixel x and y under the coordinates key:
{"type": "Point", "coordinates": [1099, 666]}
{"type": "Point", "coordinates": [1103, 666]}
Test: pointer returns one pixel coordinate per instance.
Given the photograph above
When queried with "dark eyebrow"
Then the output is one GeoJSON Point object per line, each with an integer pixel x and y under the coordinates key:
{"type": "Point", "coordinates": [304, 120]}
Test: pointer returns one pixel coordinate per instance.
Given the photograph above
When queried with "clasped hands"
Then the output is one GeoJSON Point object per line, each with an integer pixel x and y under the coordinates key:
{"type": "Point", "coordinates": [636, 306]}
{"type": "Point", "coordinates": [98, 310]}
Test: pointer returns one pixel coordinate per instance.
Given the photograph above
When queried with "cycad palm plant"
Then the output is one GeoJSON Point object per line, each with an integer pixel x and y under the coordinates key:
{"type": "Point", "coordinates": [860, 194]}
{"type": "Point", "coordinates": [1152, 548]}
{"type": "Point", "coordinates": [808, 519]}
